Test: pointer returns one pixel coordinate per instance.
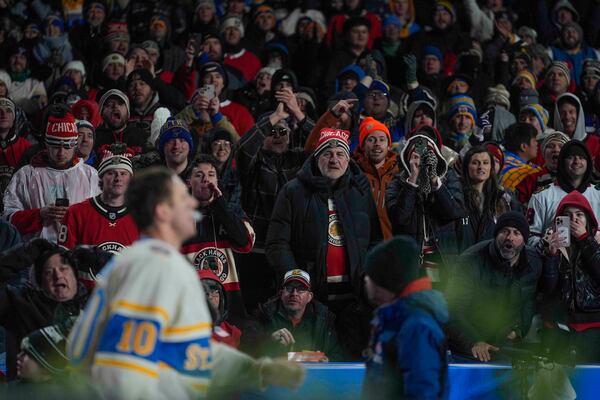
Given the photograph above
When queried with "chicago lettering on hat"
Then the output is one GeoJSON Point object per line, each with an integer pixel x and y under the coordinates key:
{"type": "Point", "coordinates": [62, 131]}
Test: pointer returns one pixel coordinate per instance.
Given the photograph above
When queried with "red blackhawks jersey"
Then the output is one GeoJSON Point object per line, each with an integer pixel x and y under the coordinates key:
{"type": "Point", "coordinates": [94, 223]}
{"type": "Point", "coordinates": [222, 230]}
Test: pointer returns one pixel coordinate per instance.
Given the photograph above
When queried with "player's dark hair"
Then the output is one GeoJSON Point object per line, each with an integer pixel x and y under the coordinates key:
{"type": "Point", "coordinates": [147, 189]}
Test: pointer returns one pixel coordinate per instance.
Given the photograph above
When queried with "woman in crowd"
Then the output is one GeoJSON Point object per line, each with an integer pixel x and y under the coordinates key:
{"type": "Point", "coordinates": [485, 199]}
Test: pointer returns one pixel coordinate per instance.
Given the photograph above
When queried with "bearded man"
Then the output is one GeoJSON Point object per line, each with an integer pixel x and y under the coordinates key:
{"type": "Point", "coordinates": [491, 294]}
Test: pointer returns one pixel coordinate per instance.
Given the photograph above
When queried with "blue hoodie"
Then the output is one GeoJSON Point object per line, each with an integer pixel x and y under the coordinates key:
{"type": "Point", "coordinates": [409, 349]}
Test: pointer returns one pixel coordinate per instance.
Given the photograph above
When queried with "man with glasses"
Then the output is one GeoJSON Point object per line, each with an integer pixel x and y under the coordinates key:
{"type": "Point", "coordinates": [377, 105]}
{"type": "Point", "coordinates": [38, 195]}
{"type": "Point", "coordinates": [294, 321]}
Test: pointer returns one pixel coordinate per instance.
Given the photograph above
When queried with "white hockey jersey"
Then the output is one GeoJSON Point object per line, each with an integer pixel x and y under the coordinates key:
{"type": "Point", "coordinates": [35, 187]}
{"type": "Point", "coordinates": [145, 332]}
{"type": "Point", "coordinates": [542, 209]}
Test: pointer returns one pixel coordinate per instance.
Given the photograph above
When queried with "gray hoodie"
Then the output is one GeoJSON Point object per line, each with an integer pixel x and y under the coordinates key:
{"type": "Point", "coordinates": [579, 133]}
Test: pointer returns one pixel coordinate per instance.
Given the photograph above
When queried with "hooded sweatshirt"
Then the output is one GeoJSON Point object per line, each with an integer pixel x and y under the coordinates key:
{"type": "Point", "coordinates": [543, 204]}
{"type": "Point", "coordinates": [415, 320]}
{"type": "Point", "coordinates": [578, 304]}
{"type": "Point", "coordinates": [223, 331]}
{"type": "Point", "coordinates": [592, 142]}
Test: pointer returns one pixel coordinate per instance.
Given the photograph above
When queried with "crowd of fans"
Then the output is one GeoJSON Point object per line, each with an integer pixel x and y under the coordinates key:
{"type": "Point", "coordinates": [308, 132]}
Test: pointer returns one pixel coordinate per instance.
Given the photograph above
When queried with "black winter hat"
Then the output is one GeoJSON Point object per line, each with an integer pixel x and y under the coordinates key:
{"type": "Point", "coordinates": [141, 74]}
{"type": "Point", "coordinates": [44, 250]}
{"type": "Point", "coordinates": [213, 66]}
{"type": "Point", "coordinates": [284, 75]}
{"type": "Point", "coordinates": [394, 263]}
{"type": "Point", "coordinates": [515, 220]}
{"type": "Point", "coordinates": [220, 134]}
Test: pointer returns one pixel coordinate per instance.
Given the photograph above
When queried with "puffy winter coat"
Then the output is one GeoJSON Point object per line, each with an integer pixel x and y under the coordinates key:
{"type": "Point", "coordinates": [298, 232]}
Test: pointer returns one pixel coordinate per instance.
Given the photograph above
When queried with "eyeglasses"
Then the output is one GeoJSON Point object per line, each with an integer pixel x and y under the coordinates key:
{"type": "Point", "coordinates": [280, 131]}
{"type": "Point", "coordinates": [221, 143]}
{"type": "Point", "coordinates": [377, 95]}
{"type": "Point", "coordinates": [299, 289]}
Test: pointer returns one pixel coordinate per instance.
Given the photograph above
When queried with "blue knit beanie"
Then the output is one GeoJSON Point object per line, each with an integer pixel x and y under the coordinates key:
{"type": "Point", "coordinates": [174, 129]}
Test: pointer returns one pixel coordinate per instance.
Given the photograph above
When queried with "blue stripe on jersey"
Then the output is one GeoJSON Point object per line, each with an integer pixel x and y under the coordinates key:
{"type": "Point", "coordinates": [193, 358]}
{"type": "Point", "coordinates": [132, 336]}
{"type": "Point", "coordinates": [140, 338]}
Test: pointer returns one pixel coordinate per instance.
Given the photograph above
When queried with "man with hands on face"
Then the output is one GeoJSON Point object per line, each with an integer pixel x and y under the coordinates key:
{"type": "Point", "coordinates": [491, 294]}
{"type": "Point", "coordinates": [423, 199]}
{"type": "Point", "coordinates": [265, 161]}
{"type": "Point", "coordinates": [222, 230]}
{"type": "Point", "coordinates": [283, 86]}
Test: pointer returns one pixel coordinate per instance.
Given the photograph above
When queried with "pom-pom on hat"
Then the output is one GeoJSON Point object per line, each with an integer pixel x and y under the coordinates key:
{"type": "Point", "coordinates": [62, 131]}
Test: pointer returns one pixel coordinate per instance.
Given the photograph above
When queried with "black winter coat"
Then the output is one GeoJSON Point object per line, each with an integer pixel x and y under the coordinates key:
{"type": "Point", "coordinates": [475, 226]}
{"type": "Point", "coordinates": [434, 216]}
{"type": "Point", "coordinates": [263, 174]}
{"type": "Point", "coordinates": [572, 289]}
{"type": "Point", "coordinates": [488, 299]}
{"type": "Point", "coordinates": [316, 331]}
{"type": "Point", "coordinates": [297, 236]}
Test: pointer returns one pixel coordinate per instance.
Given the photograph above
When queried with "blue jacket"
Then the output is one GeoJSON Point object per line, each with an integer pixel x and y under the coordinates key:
{"type": "Point", "coordinates": [408, 358]}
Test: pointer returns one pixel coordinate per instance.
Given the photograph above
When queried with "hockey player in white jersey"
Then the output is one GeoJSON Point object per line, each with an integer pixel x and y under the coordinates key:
{"type": "Point", "coordinates": [145, 333]}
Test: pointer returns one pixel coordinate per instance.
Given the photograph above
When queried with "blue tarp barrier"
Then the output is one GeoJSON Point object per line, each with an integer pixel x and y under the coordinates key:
{"type": "Point", "coordinates": [467, 381]}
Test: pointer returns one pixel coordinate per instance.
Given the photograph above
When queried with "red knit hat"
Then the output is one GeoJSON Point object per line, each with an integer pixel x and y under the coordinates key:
{"type": "Point", "coordinates": [116, 30]}
{"type": "Point", "coordinates": [207, 274]}
{"type": "Point", "coordinates": [370, 125]}
{"type": "Point", "coordinates": [62, 132]}
{"type": "Point", "coordinates": [331, 137]}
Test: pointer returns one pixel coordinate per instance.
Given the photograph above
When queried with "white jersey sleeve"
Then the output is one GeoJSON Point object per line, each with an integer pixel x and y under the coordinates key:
{"type": "Point", "coordinates": [16, 196]}
{"type": "Point", "coordinates": [536, 218]}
